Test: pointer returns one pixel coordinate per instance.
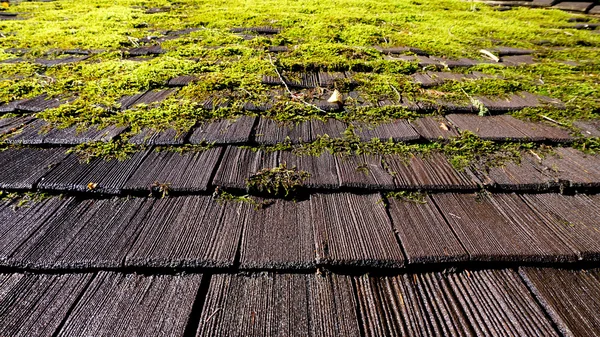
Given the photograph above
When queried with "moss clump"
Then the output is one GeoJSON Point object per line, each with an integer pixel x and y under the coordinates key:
{"type": "Point", "coordinates": [319, 37]}
{"type": "Point", "coordinates": [415, 197]}
{"type": "Point", "coordinates": [223, 197]}
{"type": "Point", "coordinates": [279, 181]}
{"type": "Point", "coordinates": [588, 145]}
{"type": "Point", "coordinates": [118, 150]}
{"type": "Point", "coordinates": [20, 199]}
{"type": "Point", "coordinates": [468, 149]}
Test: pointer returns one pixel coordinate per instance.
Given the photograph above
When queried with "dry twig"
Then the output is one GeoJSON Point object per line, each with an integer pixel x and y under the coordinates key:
{"type": "Point", "coordinates": [288, 89]}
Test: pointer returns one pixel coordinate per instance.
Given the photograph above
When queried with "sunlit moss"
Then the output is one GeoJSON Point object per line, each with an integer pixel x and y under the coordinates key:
{"type": "Point", "coordinates": [327, 36]}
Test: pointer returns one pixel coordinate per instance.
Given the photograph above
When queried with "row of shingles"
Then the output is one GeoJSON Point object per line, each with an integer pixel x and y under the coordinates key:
{"type": "Point", "coordinates": [355, 100]}
{"type": "Point", "coordinates": [518, 101]}
{"type": "Point", "coordinates": [86, 234]}
{"type": "Point", "coordinates": [54, 170]}
{"type": "Point", "coordinates": [589, 128]}
{"type": "Point", "coordinates": [85, 304]}
{"type": "Point", "coordinates": [65, 57]}
{"type": "Point", "coordinates": [249, 33]}
{"type": "Point", "coordinates": [329, 229]}
{"type": "Point", "coordinates": [191, 172]}
{"type": "Point", "coordinates": [279, 305]}
{"type": "Point", "coordinates": [31, 105]}
{"type": "Point", "coordinates": [309, 80]}
{"type": "Point", "coordinates": [23, 168]}
{"type": "Point", "coordinates": [494, 105]}
{"type": "Point", "coordinates": [504, 127]}
{"type": "Point", "coordinates": [469, 303]}
{"type": "Point", "coordinates": [508, 57]}
{"type": "Point", "coordinates": [165, 171]}
{"type": "Point", "coordinates": [97, 176]}
{"type": "Point", "coordinates": [435, 78]}
{"type": "Point", "coordinates": [568, 168]}
{"type": "Point", "coordinates": [55, 234]}
{"type": "Point", "coordinates": [571, 297]}
{"type": "Point", "coordinates": [269, 132]}
{"type": "Point", "coordinates": [503, 227]}
{"type": "Point", "coordinates": [565, 168]}
{"type": "Point", "coordinates": [199, 232]}
{"type": "Point", "coordinates": [346, 229]}
{"type": "Point", "coordinates": [42, 132]}
{"type": "Point", "coordinates": [365, 172]}
{"type": "Point", "coordinates": [573, 6]}
{"type": "Point", "coordinates": [220, 132]}
{"type": "Point", "coordinates": [487, 302]}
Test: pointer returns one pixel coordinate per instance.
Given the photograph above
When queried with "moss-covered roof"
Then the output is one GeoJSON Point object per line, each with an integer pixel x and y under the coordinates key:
{"type": "Point", "coordinates": [258, 168]}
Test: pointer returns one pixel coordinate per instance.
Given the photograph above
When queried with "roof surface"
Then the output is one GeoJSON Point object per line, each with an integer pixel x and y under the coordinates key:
{"type": "Point", "coordinates": [284, 168]}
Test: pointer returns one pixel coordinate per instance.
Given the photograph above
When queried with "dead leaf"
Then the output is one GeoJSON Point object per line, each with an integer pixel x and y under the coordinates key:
{"type": "Point", "coordinates": [443, 126]}
{"type": "Point", "coordinates": [92, 186]}
{"type": "Point", "coordinates": [336, 97]}
{"type": "Point", "coordinates": [435, 93]}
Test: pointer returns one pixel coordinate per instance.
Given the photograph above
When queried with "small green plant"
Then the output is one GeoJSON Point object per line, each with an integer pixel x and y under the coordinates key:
{"type": "Point", "coordinates": [22, 199]}
{"type": "Point", "coordinates": [363, 168]}
{"type": "Point", "coordinates": [416, 197]}
{"type": "Point", "coordinates": [277, 181]}
{"type": "Point", "coordinates": [223, 197]}
{"type": "Point", "coordinates": [588, 145]}
{"type": "Point", "coordinates": [161, 188]}
{"type": "Point", "coordinates": [106, 150]}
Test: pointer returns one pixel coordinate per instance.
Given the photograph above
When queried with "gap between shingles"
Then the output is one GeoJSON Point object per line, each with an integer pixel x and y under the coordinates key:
{"type": "Point", "coordinates": [396, 236]}
{"type": "Point", "coordinates": [451, 228]}
{"type": "Point", "coordinates": [545, 307]}
{"type": "Point", "coordinates": [74, 305]}
{"type": "Point", "coordinates": [193, 323]}
{"type": "Point", "coordinates": [359, 317]}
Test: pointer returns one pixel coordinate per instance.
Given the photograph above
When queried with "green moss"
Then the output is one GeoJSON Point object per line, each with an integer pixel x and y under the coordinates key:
{"type": "Point", "coordinates": [277, 181]}
{"type": "Point", "coordinates": [588, 145]}
{"type": "Point", "coordinates": [327, 36]}
{"type": "Point", "coordinates": [106, 150]}
{"type": "Point", "coordinates": [416, 197]}
{"type": "Point", "coordinates": [23, 199]}
{"type": "Point", "coordinates": [223, 197]}
{"type": "Point", "coordinates": [468, 149]}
